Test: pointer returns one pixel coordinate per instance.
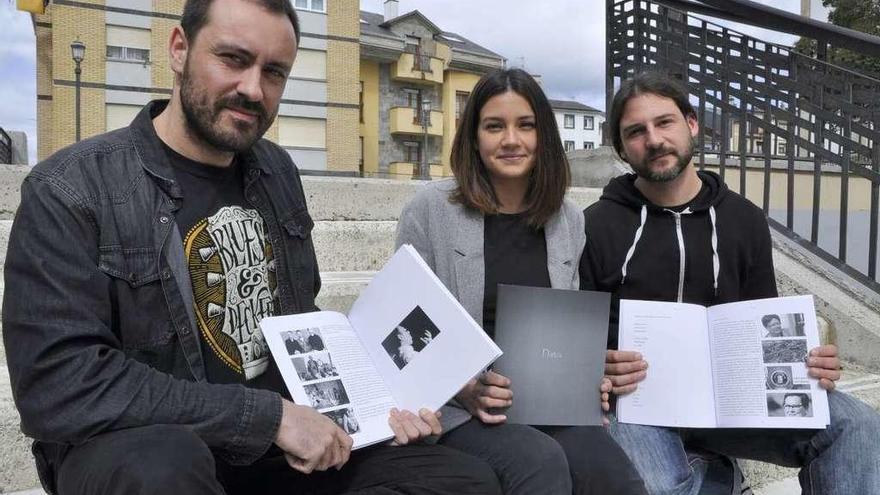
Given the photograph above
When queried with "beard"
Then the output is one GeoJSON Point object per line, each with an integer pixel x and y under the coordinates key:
{"type": "Point", "coordinates": [683, 159]}
{"type": "Point", "coordinates": [203, 117]}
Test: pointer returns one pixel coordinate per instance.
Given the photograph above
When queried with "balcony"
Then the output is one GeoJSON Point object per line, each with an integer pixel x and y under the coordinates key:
{"type": "Point", "coordinates": [404, 121]}
{"type": "Point", "coordinates": [404, 170]}
{"type": "Point", "coordinates": [414, 68]}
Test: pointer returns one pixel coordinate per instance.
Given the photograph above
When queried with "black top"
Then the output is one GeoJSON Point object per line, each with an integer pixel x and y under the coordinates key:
{"type": "Point", "coordinates": [515, 254]}
{"type": "Point", "coordinates": [230, 263]}
{"type": "Point", "coordinates": [744, 248]}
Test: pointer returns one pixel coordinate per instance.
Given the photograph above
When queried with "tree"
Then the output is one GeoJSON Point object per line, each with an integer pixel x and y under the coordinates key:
{"type": "Point", "coordinates": [859, 15]}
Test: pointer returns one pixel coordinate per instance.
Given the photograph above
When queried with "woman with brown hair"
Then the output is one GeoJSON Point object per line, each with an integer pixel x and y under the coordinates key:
{"type": "Point", "coordinates": [504, 219]}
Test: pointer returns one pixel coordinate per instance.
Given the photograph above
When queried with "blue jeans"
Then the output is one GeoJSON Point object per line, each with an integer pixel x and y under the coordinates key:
{"type": "Point", "coordinates": [842, 459]}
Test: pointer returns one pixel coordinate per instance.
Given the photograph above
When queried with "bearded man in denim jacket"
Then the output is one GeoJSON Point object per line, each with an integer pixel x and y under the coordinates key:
{"type": "Point", "coordinates": [139, 265]}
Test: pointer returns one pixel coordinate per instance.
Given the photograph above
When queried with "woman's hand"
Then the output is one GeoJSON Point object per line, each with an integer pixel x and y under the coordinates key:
{"type": "Point", "coordinates": [605, 395]}
{"type": "Point", "coordinates": [484, 396]}
{"type": "Point", "coordinates": [409, 428]}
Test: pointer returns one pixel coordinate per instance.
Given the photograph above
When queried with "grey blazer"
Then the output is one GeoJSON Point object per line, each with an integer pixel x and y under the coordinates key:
{"type": "Point", "coordinates": [450, 239]}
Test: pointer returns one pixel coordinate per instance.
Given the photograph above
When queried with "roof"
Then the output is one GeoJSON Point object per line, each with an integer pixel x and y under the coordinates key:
{"type": "Point", "coordinates": [572, 105]}
{"type": "Point", "coordinates": [374, 24]}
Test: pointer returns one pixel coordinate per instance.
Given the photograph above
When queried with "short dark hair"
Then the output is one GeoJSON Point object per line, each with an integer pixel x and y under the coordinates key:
{"type": "Point", "coordinates": [550, 177]}
{"type": "Point", "coordinates": [766, 319]}
{"type": "Point", "coordinates": [646, 83]}
{"type": "Point", "coordinates": [195, 15]}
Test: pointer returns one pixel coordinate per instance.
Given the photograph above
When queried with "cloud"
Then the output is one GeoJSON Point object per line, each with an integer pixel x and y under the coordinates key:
{"type": "Point", "coordinates": [18, 75]}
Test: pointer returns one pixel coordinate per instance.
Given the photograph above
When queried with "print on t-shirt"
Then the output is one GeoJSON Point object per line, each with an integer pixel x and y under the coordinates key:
{"type": "Point", "coordinates": [233, 280]}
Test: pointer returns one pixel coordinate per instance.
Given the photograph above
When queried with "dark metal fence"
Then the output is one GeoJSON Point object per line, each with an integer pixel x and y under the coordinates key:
{"type": "Point", "coordinates": [798, 134]}
{"type": "Point", "coordinates": [5, 147]}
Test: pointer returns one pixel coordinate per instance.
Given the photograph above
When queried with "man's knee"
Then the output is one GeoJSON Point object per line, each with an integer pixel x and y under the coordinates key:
{"type": "Point", "coordinates": [152, 459]}
{"type": "Point", "coordinates": [540, 453]}
{"type": "Point", "coordinates": [852, 416]}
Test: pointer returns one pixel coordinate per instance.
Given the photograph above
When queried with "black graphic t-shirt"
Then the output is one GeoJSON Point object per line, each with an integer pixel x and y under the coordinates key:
{"type": "Point", "coordinates": [231, 269]}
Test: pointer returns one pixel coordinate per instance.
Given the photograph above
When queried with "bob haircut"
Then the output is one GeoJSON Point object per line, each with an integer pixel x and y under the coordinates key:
{"type": "Point", "coordinates": [550, 176]}
{"type": "Point", "coordinates": [195, 15]}
{"type": "Point", "coordinates": [646, 83]}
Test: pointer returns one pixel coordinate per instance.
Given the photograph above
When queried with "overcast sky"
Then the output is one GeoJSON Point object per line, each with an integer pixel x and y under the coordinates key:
{"type": "Point", "coordinates": [562, 40]}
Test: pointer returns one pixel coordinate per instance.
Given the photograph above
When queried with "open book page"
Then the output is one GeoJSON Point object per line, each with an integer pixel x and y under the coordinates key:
{"type": "Point", "coordinates": [673, 340]}
{"type": "Point", "coordinates": [758, 356]}
{"type": "Point", "coordinates": [422, 342]}
{"type": "Point", "coordinates": [325, 366]}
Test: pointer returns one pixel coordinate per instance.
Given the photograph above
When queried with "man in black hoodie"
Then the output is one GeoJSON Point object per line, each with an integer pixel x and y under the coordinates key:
{"type": "Point", "coordinates": [671, 233]}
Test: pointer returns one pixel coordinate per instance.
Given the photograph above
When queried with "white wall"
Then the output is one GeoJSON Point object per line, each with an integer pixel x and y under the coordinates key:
{"type": "Point", "coordinates": [579, 135]}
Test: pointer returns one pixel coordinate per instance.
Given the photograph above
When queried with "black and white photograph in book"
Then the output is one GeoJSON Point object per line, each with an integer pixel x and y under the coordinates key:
{"type": "Point", "coordinates": [314, 366]}
{"type": "Point", "coordinates": [303, 341]}
{"type": "Point", "coordinates": [782, 325]}
{"type": "Point", "coordinates": [327, 394]}
{"type": "Point", "coordinates": [790, 404]}
{"type": "Point", "coordinates": [782, 378]}
{"type": "Point", "coordinates": [785, 351]}
{"type": "Point", "coordinates": [344, 418]}
{"type": "Point", "coordinates": [410, 337]}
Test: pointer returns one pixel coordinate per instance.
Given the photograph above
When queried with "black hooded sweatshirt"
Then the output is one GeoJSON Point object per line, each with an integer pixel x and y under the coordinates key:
{"type": "Point", "coordinates": [715, 249]}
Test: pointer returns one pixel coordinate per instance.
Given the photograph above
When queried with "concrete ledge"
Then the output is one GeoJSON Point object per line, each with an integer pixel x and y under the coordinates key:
{"type": "Point", "coordinates": [353, 246]}
{"type": "Point", "coordinates": [339, 290]}
{"type": "Point", "coordinates": [853, 315]}
{"type": "Point", "coordinates": [10, 188]}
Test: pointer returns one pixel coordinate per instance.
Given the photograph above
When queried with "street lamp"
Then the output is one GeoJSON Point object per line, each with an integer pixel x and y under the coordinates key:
{"type": "Point", "coordinates": [77, 51]}
{"type": "Point", "coordinates": [423, 167]}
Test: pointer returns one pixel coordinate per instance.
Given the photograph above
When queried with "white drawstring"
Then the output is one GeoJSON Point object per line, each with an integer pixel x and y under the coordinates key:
{"type": "Point", "coordinates": [716, 261]}
{"type": "Point", "coordinates": [632, 249]}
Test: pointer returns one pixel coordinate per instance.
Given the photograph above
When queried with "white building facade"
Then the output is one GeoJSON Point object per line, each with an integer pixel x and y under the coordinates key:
{"type": "Point", "coordinates": [580, 126]}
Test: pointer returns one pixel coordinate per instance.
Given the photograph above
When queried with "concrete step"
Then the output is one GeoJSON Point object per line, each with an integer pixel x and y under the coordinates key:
{"type": "Point", "coordinates": [328, 198]}
{"type": "Point", "coordinates": [352, 246]}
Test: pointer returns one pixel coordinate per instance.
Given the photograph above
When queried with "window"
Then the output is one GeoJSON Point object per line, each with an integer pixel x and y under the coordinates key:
{"type": "Point", "coordinates": [361, 105]}
{"type": "Point", "coordinates": [412, 151]}
{"type": "Point", "coordinates": [127, 44]}
{"type": "Point", "coordinates": [780, 148]}
{"type": "Point", "coordinates": [310, 64]}
{"type": "Point", "coordinates": [118, 116]}
{"type": "Point", "coordinates": [589, 123]}
{"type": "Point", "coordinates": [588, 145]}
{"type": "Point", "coordinates": [128, 54]}
{"type": "Point", "coordinates": [412, 98]}
{"type": "Point", "coordinates": [313, 5]}
{"type": "Point", "coordinates": [569, 145]}
{"type": "Point", "coordinates": [300, 132]}
{"type": "Point", "coordinates": [569, 122]}
{"type": "Point", "coordinates": [461, 99]}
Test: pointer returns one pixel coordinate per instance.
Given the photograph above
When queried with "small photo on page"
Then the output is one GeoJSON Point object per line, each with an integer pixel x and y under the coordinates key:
{"type": "Point", "coordinates": [303, 340]}
{"type": "Point", "coordinates": [314, 366]}
{"type": "Point", "coordinates": [409, 337]}
{"type": "Point", "coordinates": [784, 351]}
{"type": "Point", "coordinates": [783, 378]}
{"type": "Point", "coordinates": [782, 325]}
{"type": "Point", "coordinates": [790, 404]}
{"type": "Point", "coordinates": [323, 395]}
{"type": "Point", "coordinates": [345, 419]}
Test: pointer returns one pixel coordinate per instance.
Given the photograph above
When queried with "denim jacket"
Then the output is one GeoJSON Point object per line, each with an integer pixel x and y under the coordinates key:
{"type": "Point", "coordinates": [98, 318]}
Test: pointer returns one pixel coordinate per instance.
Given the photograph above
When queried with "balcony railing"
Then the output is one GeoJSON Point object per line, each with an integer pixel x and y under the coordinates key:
{"type": "Point", "coordinates": [5, 147]}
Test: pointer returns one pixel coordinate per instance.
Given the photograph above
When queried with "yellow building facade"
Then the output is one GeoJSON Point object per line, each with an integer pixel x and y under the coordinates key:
{"type": "Point", "coordinates": [415, 80]}
{"type": "Point", "coordinates": [126, 65]}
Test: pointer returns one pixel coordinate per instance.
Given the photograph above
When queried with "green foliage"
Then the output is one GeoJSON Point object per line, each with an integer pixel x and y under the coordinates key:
{"type": "Point", "coordinates": [859, 15]}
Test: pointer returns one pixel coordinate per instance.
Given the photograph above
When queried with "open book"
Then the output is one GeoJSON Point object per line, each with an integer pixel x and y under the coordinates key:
{"type": "Point", "coordinates": [736, 365]}
{"type": "Point", "coordinates": [406, 343]}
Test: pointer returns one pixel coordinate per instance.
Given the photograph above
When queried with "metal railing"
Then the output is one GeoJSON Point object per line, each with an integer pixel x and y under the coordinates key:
{"type": "Point", "coordinates": [782, 121]}
{"type": "Point", "coordinates": [5, 147]}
